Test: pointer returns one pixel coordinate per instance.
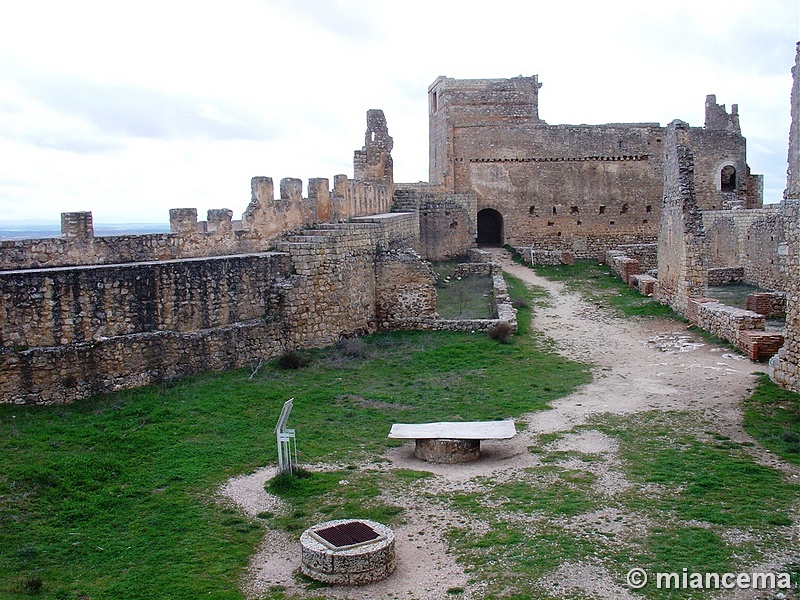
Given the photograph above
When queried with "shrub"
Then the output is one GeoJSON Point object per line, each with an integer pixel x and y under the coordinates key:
{"type": "Point", "coordinates": [293, 360]}
{"type": "Point", "coordinates": [353, 347]}
{"type": "Point", "coordinates": [500, 332]}
{"type": "Point", "coordinates": [519, 303]}
{"type": "Point", "coordinates": [32, 586]}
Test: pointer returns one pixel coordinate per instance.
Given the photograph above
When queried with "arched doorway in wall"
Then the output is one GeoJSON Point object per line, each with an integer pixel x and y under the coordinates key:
{"type": "Point", "coordinates": [490, 227]}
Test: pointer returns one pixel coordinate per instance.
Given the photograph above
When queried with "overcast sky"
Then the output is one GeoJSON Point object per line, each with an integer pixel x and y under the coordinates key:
{"type": "Point", "coordinates": [128, 109]}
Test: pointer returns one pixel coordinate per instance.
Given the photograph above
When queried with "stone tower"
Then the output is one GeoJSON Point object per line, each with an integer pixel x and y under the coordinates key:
{"type": "Point", "coordinates": [373, 163]}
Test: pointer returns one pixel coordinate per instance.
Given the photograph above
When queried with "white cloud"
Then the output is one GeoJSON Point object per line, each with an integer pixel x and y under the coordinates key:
{"type": "Point", "coordinates": [131, 109]}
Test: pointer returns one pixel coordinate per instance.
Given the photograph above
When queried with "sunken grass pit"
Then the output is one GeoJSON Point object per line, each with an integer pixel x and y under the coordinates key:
{"type": "Point", "coordinates": [115, 496]}
{"type": "Point", "coordinates": [462, 297]}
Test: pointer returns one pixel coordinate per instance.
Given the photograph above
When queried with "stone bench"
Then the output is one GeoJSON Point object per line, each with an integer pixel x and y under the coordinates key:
{"type": "Point", "coordinates": [452, 442]}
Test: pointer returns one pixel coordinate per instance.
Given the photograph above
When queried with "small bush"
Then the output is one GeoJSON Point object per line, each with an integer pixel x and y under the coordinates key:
{"type": "Point", "coordinates": [293, 360]}
{"type": "Point", "coordinates": [500, 332]}
{"type": "Point", "coordinates": [353, 347]}
{"type": "Point", "coordinates": [519, 303]}
{"type": "Point", "coordinates": [32, 586]}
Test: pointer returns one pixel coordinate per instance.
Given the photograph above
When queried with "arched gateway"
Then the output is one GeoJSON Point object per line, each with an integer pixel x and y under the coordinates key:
{"type": "Point", "coordinates": [490, 227]}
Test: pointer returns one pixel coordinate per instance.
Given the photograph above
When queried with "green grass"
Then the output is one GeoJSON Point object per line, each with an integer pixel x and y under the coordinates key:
{"type": "Point", "coordinates": [597, 284]}
{"type": "Point", "coordinates": [712, 480]}
{"type": "Point", "coordinates": [113, 496]}
{"type": "Point", "coordinates": [688, 491]}
{"type": "Point", "coordinates": [772, 416]}
{"type": "Point", "coordinates": [343, 494]}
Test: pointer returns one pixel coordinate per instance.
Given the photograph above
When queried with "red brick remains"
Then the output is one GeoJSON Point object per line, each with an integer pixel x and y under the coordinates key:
{"type": "Point", "coordinates": [760, 345]}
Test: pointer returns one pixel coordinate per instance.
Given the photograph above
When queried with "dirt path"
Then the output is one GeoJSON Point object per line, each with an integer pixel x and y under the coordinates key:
{"type": "Point", "coordinates": [639, 365]}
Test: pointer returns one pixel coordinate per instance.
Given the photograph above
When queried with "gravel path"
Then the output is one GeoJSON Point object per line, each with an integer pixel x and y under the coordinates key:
{"type": "Point", "coordinates": [639, 365]}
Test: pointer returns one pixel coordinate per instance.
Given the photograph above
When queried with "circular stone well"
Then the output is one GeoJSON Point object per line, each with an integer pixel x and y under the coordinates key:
{"type": "Point", "coordinates": [348, 552]}
{"type": "Point", "coordinates": [447, 451]}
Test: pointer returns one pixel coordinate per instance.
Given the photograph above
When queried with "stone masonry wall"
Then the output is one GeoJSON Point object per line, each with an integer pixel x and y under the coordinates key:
{"type": "Point", "coordinates": [62, 306]}
{"type": "Point", "coordinates": [682, 273]}
{"type": "Point", "coordinates": [725, 276]}
{"type": "Point", "coordinates": [265, 221]}
{"type": "Point", "coordinates": [646, 254]}
{"type": "Point", "coordinates": [581, 189]}
{"type": "Point", "coordinates": [70, 332]}
{"type": "Point", "coordinates": [335, 290]}
{"type": "Point", "coordinates": [263, 224]}
{"type": "Point", "coordinates": [447, 221]}
{"type": "Point", "coordinates": [725, 321]}
{"type": "Point", "coordinates": [751, 239]}
{"type": "Point", "coordinates": [785, 367]}
{"type": "Point", "coordinates": [405, 291]}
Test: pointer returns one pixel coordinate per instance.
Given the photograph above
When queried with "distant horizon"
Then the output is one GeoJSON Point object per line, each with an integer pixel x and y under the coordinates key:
{"type": "Point", "coordinates": [24, 229]}
{"type": "Point", "coordinates": [41, 221]}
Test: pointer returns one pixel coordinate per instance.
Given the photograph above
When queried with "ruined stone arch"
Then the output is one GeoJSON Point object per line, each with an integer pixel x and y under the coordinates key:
{"type": "Point", "coordinates": [490, 227]}
{"type": "Point", "coordinates": [727, 177]}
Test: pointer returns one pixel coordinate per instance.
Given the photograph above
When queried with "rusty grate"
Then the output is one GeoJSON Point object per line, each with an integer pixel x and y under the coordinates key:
{"type": "Point", "coordinates": [347, 535]}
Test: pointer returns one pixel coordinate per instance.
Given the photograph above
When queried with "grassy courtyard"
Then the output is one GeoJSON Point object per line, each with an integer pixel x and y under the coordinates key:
{"type": "Point", "coordinates": [114, 496]}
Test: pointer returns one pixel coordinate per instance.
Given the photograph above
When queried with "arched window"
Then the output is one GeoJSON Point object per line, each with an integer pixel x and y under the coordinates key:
{"type": "Point", "coordinates": [728, 179]}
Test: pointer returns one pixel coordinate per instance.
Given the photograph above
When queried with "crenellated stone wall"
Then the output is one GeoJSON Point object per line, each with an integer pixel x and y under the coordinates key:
{"type": "Point", "coordinates": [265, 221]}
{"type": "Point", "coordinates": [69, 332]}
{"type": "Point", "coordinates": [81, 314]}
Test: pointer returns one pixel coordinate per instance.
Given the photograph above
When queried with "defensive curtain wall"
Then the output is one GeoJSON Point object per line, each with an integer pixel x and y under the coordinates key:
{"type": "Point", "coordinates": [82, 314]}
{"type": "Point", "coordinates": [759, 246]}
{"type": "Point", "coordinates": [573, 188]}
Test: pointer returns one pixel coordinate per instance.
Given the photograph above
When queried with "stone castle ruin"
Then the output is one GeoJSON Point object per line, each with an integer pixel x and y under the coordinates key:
{"type": "Point", "coordinates": [84, 314]}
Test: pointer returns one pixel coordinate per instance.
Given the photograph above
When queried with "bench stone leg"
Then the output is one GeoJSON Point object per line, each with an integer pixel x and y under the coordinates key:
{"type": "Point", "coordinates": [447, 451]}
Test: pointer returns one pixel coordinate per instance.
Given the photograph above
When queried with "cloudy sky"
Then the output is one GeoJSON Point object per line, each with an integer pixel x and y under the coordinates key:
{"type": "Point", "coordinates": [128, 109]}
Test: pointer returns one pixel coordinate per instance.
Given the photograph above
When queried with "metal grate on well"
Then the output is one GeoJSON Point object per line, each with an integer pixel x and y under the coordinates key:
{"type": "Point", "coordinates": [347, 535]}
